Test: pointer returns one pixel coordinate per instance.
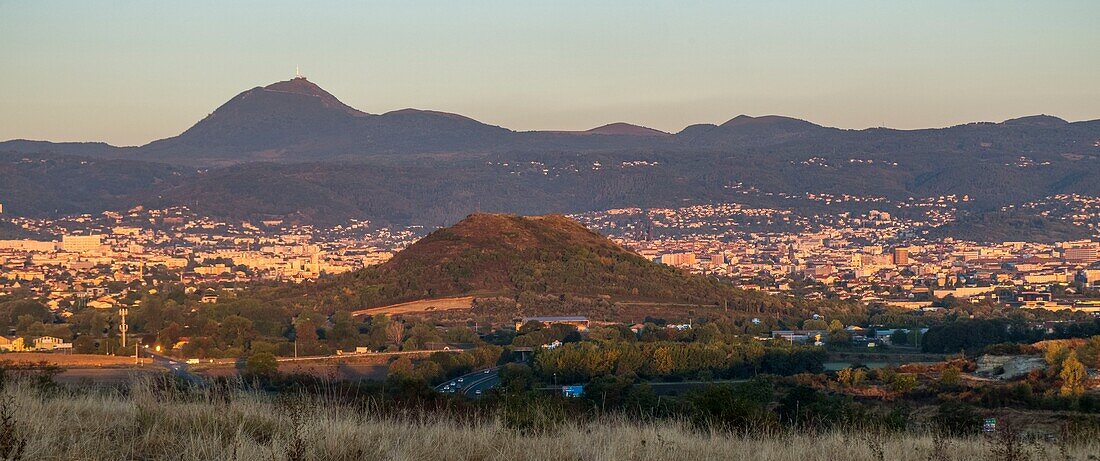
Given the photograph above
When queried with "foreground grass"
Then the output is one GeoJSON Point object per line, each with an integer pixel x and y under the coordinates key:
{"type": "Point", "coordinates": [151, 423]}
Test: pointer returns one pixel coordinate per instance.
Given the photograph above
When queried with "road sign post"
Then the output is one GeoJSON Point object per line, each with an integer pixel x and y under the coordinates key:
{"type": "Point", "coordinates": [989, 425]}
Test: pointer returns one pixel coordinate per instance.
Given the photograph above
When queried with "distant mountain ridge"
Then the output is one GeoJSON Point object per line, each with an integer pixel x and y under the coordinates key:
{"type": "Point", "coordinates": [294, 150]}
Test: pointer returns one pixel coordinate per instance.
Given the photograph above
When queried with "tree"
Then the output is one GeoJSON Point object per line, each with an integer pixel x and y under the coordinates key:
{"type": "Point", "coordinates": [395, 332]}
{"type": "Point", "coordinates": [428, 370]}
{"type": "Point", "coordinates": [262, 364]}
{"type": "Point", "coordinates": [1089, 353]}
{"type": "Point", "coordinates": [401, 368]}
{"type": "Point", "coordinates": [708, 333]}
{"type": "Point", "coordinates": [420, 334]}
{"type": "Point", "coordinates": [235, 331]}
{"type": "Point", "coordinates": [305, 334]}
{"type": "Point", "coordinates": [85, 344]}
{"type": "Point", "coordinates": [951, 376]}
{"type": "Point", "coordinates": [377, 337]}
{"type": "Point", "coordinates": [1073, 375]}
{"type": "Point", "coordinates": [899, 337]}
{"type": "Point", "coordinates": [904, 382]}
{"type": "Point", "coordinates": [837, 335]}
{"type": "Point", "coordinates": [24, 324]}
{"type": "Point", "coordinates": [662, 363]}
{"type": "Point", "coordinates": [851, 377]}
{"type": "Point", "coordinates": [815, 324]}
{"type": "Point", "coordinates": [170, 335]}
{"type": "Point", "coordinates": [915, 337]}
{"type": "Point", "coordinates": [1055, 355]}
{"type": "Point", "coordinates": [343, 333]}
{"type": "Point", "coordinates": [16, 309]}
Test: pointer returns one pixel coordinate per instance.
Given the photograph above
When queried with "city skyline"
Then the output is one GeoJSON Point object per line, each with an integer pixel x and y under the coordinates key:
{"type": "Point", "coordinates": [131, 73]}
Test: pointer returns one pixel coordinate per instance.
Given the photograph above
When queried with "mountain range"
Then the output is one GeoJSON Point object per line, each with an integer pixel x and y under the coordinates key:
{"type": "Point", "coordinates": [298, 121]}
{"type": "Point", "coordinates": [293, 149]}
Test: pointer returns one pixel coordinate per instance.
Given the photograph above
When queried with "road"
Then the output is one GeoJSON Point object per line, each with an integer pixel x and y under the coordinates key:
{"type": "Point", "coordinates": [470, 384]}
{"type": "Point", "coordinates": [178, 368]}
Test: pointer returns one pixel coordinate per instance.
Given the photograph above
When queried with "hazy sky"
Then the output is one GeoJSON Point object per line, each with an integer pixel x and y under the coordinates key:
{"type": "Point", "coordinates": [129, 72]}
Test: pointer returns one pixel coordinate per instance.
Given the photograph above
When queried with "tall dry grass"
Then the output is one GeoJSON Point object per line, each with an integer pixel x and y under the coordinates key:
{"type": "Point", "coordinates": [153, 422]}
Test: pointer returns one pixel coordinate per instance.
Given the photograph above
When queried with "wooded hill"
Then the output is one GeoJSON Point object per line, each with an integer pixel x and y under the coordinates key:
{"type": "Point", "coordinates": [496, 255]}
{"type": "Point", "coordinates": [1015, 226]}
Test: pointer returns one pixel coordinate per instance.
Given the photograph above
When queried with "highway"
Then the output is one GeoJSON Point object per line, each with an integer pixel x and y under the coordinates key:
{"type": "Point", "coordinates": [470, 384]}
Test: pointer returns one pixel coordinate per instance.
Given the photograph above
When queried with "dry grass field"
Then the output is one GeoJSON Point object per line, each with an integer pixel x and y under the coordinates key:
{"type": "Point", "coordinates": [421, 306]}
{"type": "Point", "coordinates": [152, 423]}
{"type": "Point", "coordinates": [69, 360]}
{"type": "Point", "coordinates": [107, 376]}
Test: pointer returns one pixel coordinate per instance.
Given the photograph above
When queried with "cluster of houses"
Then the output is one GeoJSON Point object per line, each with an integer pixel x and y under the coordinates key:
{"type": "Point", "coordinates": [858, 336]}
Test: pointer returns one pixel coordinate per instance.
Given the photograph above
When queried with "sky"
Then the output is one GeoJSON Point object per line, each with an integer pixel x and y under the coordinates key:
{"type": "Point", "coordinates": [129, 72]}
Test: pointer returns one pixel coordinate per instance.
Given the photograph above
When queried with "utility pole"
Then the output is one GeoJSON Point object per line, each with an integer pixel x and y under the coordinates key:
{"type": "Point", "coordinates": [122, 326]}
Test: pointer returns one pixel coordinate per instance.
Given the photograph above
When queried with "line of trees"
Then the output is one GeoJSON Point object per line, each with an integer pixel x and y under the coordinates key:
{"type": "Point", "coordinates": [581, 362]}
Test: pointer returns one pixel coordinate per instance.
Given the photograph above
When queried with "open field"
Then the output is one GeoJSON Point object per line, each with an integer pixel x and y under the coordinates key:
{"type": "Point", "coordinates": [107, 376]}
{"type": "Point", "coordinates": [70, 360]}
{"type": "Point", "coordinates": [148, 423]}
{"type": "Point", "coordinates": [420, 306]}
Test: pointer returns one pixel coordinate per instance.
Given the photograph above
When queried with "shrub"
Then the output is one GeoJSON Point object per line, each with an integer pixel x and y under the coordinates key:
{"type": "Point", "coordinates": [262, 364]}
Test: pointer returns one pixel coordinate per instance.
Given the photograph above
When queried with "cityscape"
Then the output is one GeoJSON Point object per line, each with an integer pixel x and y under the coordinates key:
{"type": "Point", "coordinates": [517, 231]}
{"type": "Point", "coordinates": [109, 261]}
